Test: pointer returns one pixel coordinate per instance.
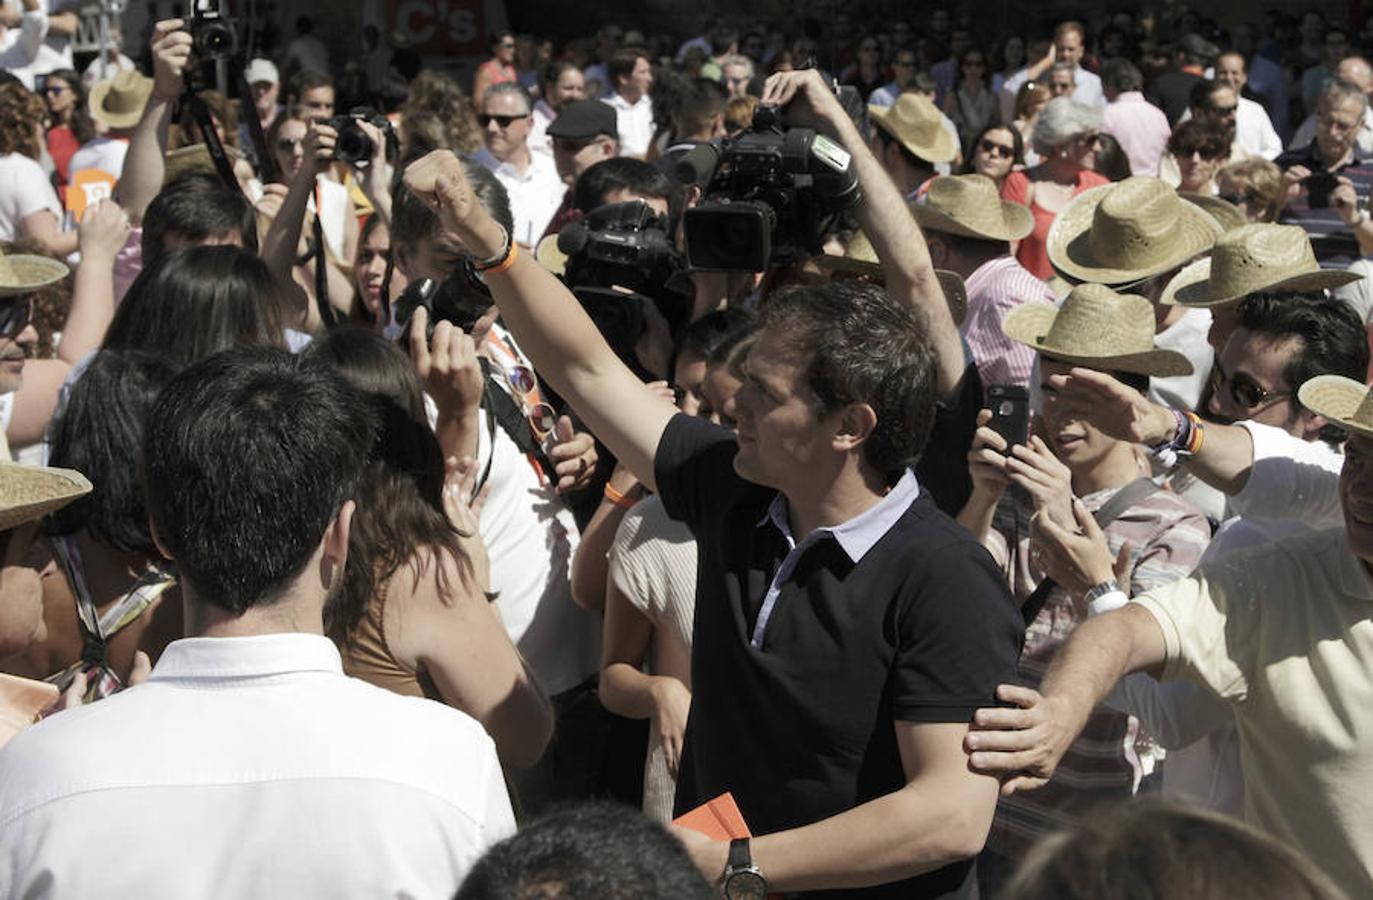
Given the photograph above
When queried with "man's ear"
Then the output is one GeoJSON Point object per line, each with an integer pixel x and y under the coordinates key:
{"type": "Point", "coordinates": [855, 425]}
{"type": "Point", "coordinates": [1311, 424]}
{"type": "Point", "coordinates": [157, 540]}
{"type": "Point", "coordinates": [335, 555]}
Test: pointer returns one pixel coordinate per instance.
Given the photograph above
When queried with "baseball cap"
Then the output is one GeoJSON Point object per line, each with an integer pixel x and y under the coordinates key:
{"type": "Point", "coordinates": [261, 70]}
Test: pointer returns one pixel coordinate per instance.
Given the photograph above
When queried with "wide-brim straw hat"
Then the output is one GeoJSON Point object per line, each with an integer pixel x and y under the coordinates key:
{"type": "Point", "coordinates": [860, 260]}
{"type": "Point", "coordinates": [118, 102]}
{"type": "Point", "coordinates": [916, 123]}
{"type": "Point", "coordinates": [21, 273]}
{"type": "Point", "coordinates": [1227, 215]}
{"type": "Point", "coordinates": [1250, 260]}
{"type": "Point", "coordinates": [1098, 328]}
{"type": "Point", "coordinates": [1128, 231]}
{"type": "Point", "coordinates": [31, 492]}
{"type": "Point", "coordinates": [1344, 401]}
{"type": "Point", "coordinates": [971, 206]}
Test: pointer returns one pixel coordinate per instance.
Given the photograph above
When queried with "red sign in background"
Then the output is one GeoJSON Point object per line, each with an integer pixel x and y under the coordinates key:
{"type": "Point", "coordinates": [440, 27]}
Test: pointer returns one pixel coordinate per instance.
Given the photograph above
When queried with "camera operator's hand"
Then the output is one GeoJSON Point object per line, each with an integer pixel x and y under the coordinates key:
{"type": "Point", "coordinates": [437, 179]}
{"type": "Point", "coordinates": [102, 234]}
{"type": "Point", "coordinates": [319, 148]}
{"type": "Point", "coordinates": [808, 99]}
{"type": "Point", "coordinates": [377, 163]}
{"type": "Point", "coordinates": [171, 50]}
{"type": "Point", "coordinates": [269, 204]}
{"type": "Point", "coordinates": [573, 455]}
{"type": "Point", "coordinates": [447, 366]}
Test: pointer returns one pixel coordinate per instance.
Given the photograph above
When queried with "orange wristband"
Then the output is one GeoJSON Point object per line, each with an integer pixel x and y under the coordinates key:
{"type": "Point", "coordinates": [623, 501]}
{"type": "Point", "coordinates": [505, 263]}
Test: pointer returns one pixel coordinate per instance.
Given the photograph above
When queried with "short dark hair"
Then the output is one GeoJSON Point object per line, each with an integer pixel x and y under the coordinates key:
{"type": "Point", "coordinates": [1121, 76]}
{"type": "Point", "coordinates": [622, 62]}
{"type": "Point", "coordinates": [248, 457]}
{"type": "Point", "coordinates": [1111, 158]}
{"type": "Point", "coordinates": [196, 301]}
{"type": "Point", "coordinates": [699, 101]}
{"type": "Point", "coordinates": [413, 220]}
{"type": "Point", "coordinates": [1199, 97]}
{"type": "Point", "coordinates": [1333, 338]}
{"type": "Point", "coordinates": [100, 434]}
{"type": "Point", "coordinates": [704, 337]}
{"type": "Point", "coordinates": [1017, 145]}
{"type": "Point", "coordinates": [863, 347]}
{"type": "Point", "coordinates": [1194, 136]}
{"type": "Point", "coordinates": [196, 206]}
{"type": "Point", "coordinates": [599, 849]}
{"type": "Point", "coordinates": [308, 80]}
{"type": "Point", "coordinates": [619, 173]}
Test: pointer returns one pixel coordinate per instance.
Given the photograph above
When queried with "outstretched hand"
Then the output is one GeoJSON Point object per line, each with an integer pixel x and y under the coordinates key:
{"type": "Point", "coordinates": [1115, 408]}
{"type": "Point", "coordinates": [809, 101]}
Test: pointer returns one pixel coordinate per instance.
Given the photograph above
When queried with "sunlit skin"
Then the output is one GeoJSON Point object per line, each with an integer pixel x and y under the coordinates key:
{"type": "Point", "coordinates": [12, 353]}
{"type": "Point", "coordinates": [290, 147]}
{"type": "Point", "coordinates": [1259, 360]}
{"type": "Point", "coordinates": [569, 88]}
{"type": "Point", "coordinates": [506, 142]}
{"type": "Point", "coordinates": [1337, 127]}
{"type": "Point", "coordinates": [1068, 47]}
{"type": "Point", "coordinates": [1079, 444]}
{"type": "Point", "coordinates": [369, 270]}
{"type": "Point", "coordinates": [995, 162]}
{"type": "Point", "coordinates": [317, 103]}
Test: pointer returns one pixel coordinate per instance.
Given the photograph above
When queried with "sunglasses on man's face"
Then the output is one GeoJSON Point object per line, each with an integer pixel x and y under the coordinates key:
{"type": "Point", "coordinates": [485, 119]}
{"type": "Point", "coordinates": [1246, 393]}
{"type": "Point", "coordinates": [15, 315]}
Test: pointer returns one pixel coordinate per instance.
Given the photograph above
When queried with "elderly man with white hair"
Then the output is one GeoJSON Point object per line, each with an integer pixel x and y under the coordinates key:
{"type": "Point", "coordinates": [1065, 137]}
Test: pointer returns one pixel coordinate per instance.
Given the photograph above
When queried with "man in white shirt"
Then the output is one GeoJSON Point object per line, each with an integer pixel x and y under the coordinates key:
{"type": "Point", "coordinates": [1068, 47]}
{"type": "Point", "coordinates": [248, 750]}
{"type": "Point", "coordinates": [118, 105]}
{"type": "Point", "coordinates": [1253, 128]}
{"type": "Point", "coordinates": [632, 74]}
{"type": "Point", "coordinates": [531, 179]}
{"type": "Point", "coordinates": [563, 84]}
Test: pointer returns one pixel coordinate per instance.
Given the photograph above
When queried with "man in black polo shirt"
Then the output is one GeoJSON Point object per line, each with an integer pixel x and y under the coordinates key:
{"type": "Point", "coordinates": [1329, 182]}
{"type": "Point", "coordinates": [845, 628]}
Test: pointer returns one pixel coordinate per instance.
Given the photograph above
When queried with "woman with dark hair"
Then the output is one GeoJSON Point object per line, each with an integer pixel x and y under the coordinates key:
{"type": "Point", "coordinates": [1198, 151]}
{"type": "Point", "coordinates": [69, 125]}
{"type": "Point", "coordinates": [116, 595]}
{"type": "Point", "coordinates": [369, 274]}
{"type": "Point", "coordinates": [971, 104]}
{"type": "Point", "coordinates": [1111, 160]}
{"type": "Point", "coordinates": [1009, 59]}
{"type": "Point", "coordinates": [413, 616]}
{"type": "Point", "coordinates": [196, 301]}
{"type": "Point", "coordinates": [996, 152]}
{"type": "Point", "coordinates": [499, 69]}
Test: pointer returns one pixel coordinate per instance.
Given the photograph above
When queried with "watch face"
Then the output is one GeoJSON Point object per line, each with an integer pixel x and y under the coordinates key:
{"type": "Point", "coordinates": [747, 884]}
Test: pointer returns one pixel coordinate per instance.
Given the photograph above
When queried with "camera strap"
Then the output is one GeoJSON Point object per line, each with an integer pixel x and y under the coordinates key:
{"type": "Point", "coordinates": [326, 311]}
{"type": "Point", "coordinates": [267, 168]}
{"type": "Point", "coordinates": [201, 113]}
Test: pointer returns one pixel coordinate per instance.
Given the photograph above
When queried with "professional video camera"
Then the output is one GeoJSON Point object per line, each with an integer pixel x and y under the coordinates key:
{"type": "Point", "coordinates": [771, 195]}
{"type": "Point", "coordinates": [619, 258]}
{"type": "Point", "coordinates": [212, 32]}
{"type": "Point", "coordinates": [353, 145]}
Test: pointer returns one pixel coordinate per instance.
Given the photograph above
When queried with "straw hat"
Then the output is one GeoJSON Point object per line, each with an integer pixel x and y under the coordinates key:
{"type": "Point", "coordinates": [860, 260]}
{"type": "Point", "coordinates": [1344, 401]}
{"type": "Point", "coordinates": [1251, 259]}
{"type": "Point", "coordinates": [1096, 327]}
{"type": "Point", "coordinates": [22, 273]}
{"type": "Point", "coordinates": [971, 206]}
{"type": "Point", "coordinates": [31, 492]}
{"type": "Point", "coordinates": [1127, 231]}
{"type": "Point", "coordinates": [916, 123]}
{"type": "Point", "coordinates": [1227, 215]}
{"type": "Point", "coordinates": [119, 102]}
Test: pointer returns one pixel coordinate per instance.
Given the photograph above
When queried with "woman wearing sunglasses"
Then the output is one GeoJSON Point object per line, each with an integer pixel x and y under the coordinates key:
{"type": "Point", "coordinates": [69, 125]}
{"type": "Point", "coordinates": [995, 151]}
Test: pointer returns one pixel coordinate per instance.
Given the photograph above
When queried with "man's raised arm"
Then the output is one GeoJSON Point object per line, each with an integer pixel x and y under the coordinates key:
{"type": "Point", "coordinates": [883, 214]}
{"type": "Point", "coordinates": [549, 323]}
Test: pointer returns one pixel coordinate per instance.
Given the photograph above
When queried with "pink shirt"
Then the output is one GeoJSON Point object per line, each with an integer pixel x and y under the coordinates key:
{"type": "Point", "coordinates": [994, 289]}
{"type": "Point", "coordinates": [1140, 128]}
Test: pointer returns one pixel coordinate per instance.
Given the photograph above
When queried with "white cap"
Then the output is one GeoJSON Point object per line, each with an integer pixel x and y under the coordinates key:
{"type": "Point", "coordinates": [261, 70]}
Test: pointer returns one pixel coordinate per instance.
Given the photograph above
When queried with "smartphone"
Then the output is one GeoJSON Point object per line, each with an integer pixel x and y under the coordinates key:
{"type": "Point", "coordinates": [1010, 406]}
{"type": "Point", "coordinates": [1318, 188]}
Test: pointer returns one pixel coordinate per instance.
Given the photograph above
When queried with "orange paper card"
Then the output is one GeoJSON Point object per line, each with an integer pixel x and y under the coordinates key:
{"type": "Point", "coordinates": [719, 819]}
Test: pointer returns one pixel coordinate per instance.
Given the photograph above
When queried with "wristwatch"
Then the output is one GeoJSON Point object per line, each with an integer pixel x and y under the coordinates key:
{"type": "Point", "coordinates": [743, 880]}
{"type": "Point", "coordinates": [1099, 590]}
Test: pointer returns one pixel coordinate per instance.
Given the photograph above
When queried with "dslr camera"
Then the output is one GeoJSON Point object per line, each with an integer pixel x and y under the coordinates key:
{"type": "Point", "coordinates": [771, 195]}
{"type": "Point", "coordinates": [353, 145]}
{"type": "Point", "coordinates": [461, 298]}
{"type": "Point", "coordinates": [212, 33]}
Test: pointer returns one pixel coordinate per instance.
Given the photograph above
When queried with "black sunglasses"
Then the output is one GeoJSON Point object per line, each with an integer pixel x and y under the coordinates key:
{"type": "Point", "coordinates": [1244, 390]}
{"type": "Point", "coordinates": [485, 119]}
{"type": "Point", "coordinates": [15, 315]}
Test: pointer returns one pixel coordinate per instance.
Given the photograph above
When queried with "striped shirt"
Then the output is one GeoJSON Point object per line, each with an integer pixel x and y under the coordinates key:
{"type": "Point", "coordinates": [1105, 763]}
{"type": "Point", "coordinates": [994, 289]}
{"type": "Point", "coordinates": [1332, 240]}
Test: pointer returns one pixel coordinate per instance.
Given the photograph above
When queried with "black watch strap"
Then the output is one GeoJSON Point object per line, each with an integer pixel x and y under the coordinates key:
{"type": "Point", "coordinates": [739, 855]}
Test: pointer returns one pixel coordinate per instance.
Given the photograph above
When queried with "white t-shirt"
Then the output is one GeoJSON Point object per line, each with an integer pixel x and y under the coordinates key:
{"type": "Point", "coordinates": [1187, 336]}
{"type": "Point", "coordinates": [634, 122]}
{"type": "Point", "coordinates": [24, 190]}
{"type": "Point", "coordinates": [103, 153]}
{"type": "Point", "coordinates": [1359, 294]}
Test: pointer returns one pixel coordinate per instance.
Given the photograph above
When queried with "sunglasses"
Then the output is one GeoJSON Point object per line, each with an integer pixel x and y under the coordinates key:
{"type": "Point", "coordinates": [56, 89]}
{"type": "Point", "coordinates": [15, 315]}
{"type": "Point", "coordinates": [485, 119]}
{"type": "Point", "coordinates": [524, 385]}
{"type": "Point", "coordinates": [991, 148]}
{"type": "Point", "coordinates": [1246, 393]}
{"type": "Point", "coordinates": [1225, 110]}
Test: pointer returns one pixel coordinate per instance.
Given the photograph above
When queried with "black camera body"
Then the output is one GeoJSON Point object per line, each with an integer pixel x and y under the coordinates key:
{"type": "Point", "coordinates": [462, 298]}
{"type": "Point", "coordinates": [771, 196]}
{"type": "Point", "coordinates": [212, 33]}
{"type": "Point", "coordinates": [627, 234]}
{"type": "Point", "coordinates": [353, 146]}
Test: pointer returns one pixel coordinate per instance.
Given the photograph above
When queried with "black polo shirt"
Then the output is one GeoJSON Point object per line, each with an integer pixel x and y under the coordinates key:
{"type": "Point", "coordinates": [921, 629]}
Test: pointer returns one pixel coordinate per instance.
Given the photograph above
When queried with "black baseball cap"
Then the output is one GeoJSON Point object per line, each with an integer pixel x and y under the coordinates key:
{"type": "Point", "coordinates": [584, 119]}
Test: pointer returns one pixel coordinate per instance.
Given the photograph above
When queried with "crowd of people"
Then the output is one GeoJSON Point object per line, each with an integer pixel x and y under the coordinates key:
{"type": "Point", "coordinates": [941, 460]}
